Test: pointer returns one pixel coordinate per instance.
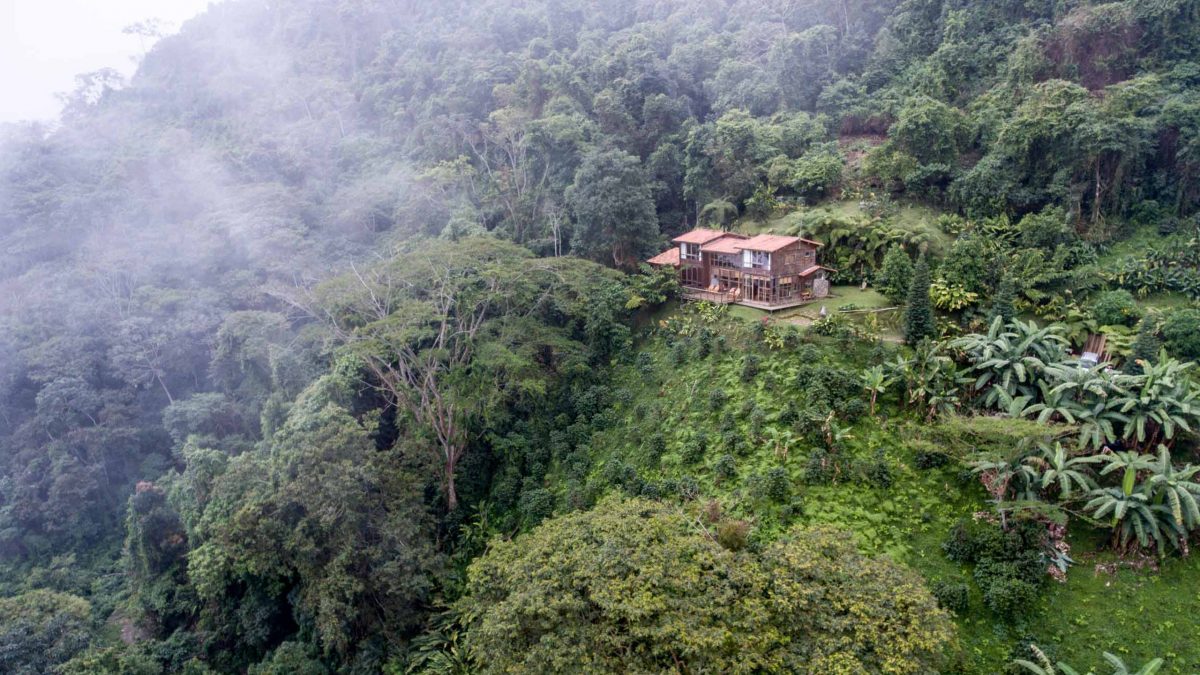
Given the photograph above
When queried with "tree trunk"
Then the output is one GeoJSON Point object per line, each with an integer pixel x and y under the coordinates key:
{"type": "Point", "coordinates": [451, 493]}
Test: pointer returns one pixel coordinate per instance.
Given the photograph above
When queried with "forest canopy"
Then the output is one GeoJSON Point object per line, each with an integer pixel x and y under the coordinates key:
{"type": "Point", "coordinates": [326, 343]}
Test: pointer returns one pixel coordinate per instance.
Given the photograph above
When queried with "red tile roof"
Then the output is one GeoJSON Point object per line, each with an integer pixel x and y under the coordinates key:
{"type": "Point", "coordinates": [729, 244]}
{"type": "Point", "coordinates": [769, 243]}
{"type": "Point", "coordinates": [698, 236]}
{"type": "Point", "coordinates": [667, 257]}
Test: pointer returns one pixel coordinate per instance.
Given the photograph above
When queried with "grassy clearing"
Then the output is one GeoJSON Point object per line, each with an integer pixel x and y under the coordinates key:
{"type": "Point", "coordinates": [1165, 301]}
{"type": "Point", "coordinates": [842, 296]}
{"type": "Point", "coordinates": [1138, 613]}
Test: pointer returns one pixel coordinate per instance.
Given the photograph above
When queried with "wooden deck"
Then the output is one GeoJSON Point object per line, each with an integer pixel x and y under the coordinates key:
{"type": "Point", "coordinates": [732, 297]}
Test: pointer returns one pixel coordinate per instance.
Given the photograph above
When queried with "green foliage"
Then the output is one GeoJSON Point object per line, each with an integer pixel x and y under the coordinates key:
{"type": "Point", "coordinates": [895, 275]}
{"type": "Point", "coordinates": [1181, 333]}
{"type": "Point", "coordinates": [612, 203]}
{"type": "Point", "coordinates": [808, 603]}
{"type": "Point", "coordinates": [952, 596]}
{"type": "Point", "coordinates": [918, 313]}
{"type": "Point", "coordinates": [41, 630]}
{"type": "Point", "coordinates": [1003, 301]}
{"type": "Point", "coordinates": [1115, 308]}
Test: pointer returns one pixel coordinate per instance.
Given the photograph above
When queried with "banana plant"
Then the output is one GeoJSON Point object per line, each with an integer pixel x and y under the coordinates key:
{"type": "Point", "coordinates": [1057, 467]}
{"type": "Point", "coordinates": [875, 380]}
{"type": "Point", "coordinates": [1176, 489]}
{"type": "Point", "coordinates": [1158, 402]}
{"type": "Point", "coordinates": [1044, 666]}
{"type": "Point", "coordinates": [1128, 462]}
{"type": "Point", "coordinates": [1134, 517]}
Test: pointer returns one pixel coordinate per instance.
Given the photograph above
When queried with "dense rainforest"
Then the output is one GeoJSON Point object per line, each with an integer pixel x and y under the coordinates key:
{"type": "Point", "coordinates": [327, 346]}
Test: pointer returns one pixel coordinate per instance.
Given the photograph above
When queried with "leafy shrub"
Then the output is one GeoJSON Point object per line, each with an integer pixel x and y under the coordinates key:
{"type": "Point", "coordinates": [825, 468]}
{"type": "Point", "coordinates": [679, 353]}
{"type": "Point", "coordinates": [731, 441]}
{"type": "Point", "coordinates": [726, 467]}
{"type": "Point", "coordinates": [833, 325]}
{"type": "Point", "coordinates": [1009, 565]}
{"type": "Point", "coordinates": [750, 366]}
{"type": "Point", "coordinates": [696, 446]}
{"type": "Point", "coordinates": [656, 446]}
{"type": "Point", "coordinates": [778, 485]}
{"type": "Point", "coordinates": [895, 275]}
{"type": "Point", "coordinates": [930, 459]}
{"type": "Point", "coordinates": [1181, 333]}
{"type": "Point", "coordinates": [878, 471]}
{"type": "Point", "coordinates": [682, 601]}
{"type": "Point", "coordinates": [952, 595]}
{"type": "Point", "coordinates": [717, 398]}
{"type": "Point", "coordinates": [688, 488]}
{"type": "Point", "coordinates": [1009, 597]}
{"type": "Point", "coordinates": [1115, 308]}
{"type": "Point", "coordinates": [653, 490]}
{"type": "Point", "coordinates": [537, 504]}
{"type": "Point", "coordinates": [733, 535]}
{"type": "Point", "coordinates": [758, 420]}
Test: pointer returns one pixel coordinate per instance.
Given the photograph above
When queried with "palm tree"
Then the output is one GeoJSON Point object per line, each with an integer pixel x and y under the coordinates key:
{"type": "Point", "coordinates": [1054, 404]}
{"type": "Point", "coordinates": [1098, 422]}
{"type": "Point", "coordinates": [1057, 466]}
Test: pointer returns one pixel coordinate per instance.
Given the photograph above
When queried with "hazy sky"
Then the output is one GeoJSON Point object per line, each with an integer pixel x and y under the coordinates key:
{"type": "Point", "coordinates": [45, 43]}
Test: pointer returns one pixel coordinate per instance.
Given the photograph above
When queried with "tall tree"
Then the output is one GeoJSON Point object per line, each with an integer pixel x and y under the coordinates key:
{"type": "Point", "coordinates": [614, 209]}
{"type": "Point", "coordinates": [919, 322]}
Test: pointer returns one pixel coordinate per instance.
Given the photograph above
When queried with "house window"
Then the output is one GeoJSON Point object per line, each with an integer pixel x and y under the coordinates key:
{"type": "Point", "coordinates": [756, 260]}
{"type": "Point", "coordinates": [689, 251]}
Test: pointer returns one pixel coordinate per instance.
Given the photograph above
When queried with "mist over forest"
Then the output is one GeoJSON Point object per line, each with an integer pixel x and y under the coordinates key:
{"type": "Point", "coordinates": [328, 342]}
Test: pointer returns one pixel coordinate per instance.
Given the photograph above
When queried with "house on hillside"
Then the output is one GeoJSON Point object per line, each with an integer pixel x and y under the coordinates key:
{"type": "Point", "coordinates": [766, 271]}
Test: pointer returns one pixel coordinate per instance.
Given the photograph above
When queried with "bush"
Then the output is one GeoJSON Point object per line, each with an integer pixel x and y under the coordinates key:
{"type": "Point", "coordinates": [537, 504]}
{"type": "Point", "coordinates": [1181, 333]}
{"type": "Point", "coordinates": [694, 449]}
{"type": "Point", "coordinates": [717, 398]}
{"type": "Point", "coordinates": [952, 595]}
{"type": "Point", "coordinates": [726, 467]}
{"type": "Point", "coordinates": [1010, 597]}
{"type": "Point", "coordinates": [733, 535]}
{"type": "Point", "coordinates": [1115, 308]}
{"type": "Point", "coordinates": [778, 485]}
{"type": "Point", "coordinates": [750, 366]}
{"type": "Point", "coordinates": [895, 275]}
{"type": "Point", "coordinates": [930, 459]}
{"type": "Point", "coordinates": [656, 447]}
{"type": "Point", "coordinates": [878, 472]}
{"type": "Point", "coordinates": [1009, 565]}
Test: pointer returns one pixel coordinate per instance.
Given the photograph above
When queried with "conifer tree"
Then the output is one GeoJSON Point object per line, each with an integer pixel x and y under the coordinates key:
{"type": "Point", "coordinates": [1145, 347]}
{"type": "Point", "coordinates": [918, 315]}
{"type": "Point", "coordinates": [1003, 302]}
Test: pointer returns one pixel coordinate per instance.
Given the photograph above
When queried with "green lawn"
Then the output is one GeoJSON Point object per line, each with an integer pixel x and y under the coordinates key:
{"type": "Point", "coordinates": [1165, 301]}
{"type": "Point", "coordinates": [841, 296]}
